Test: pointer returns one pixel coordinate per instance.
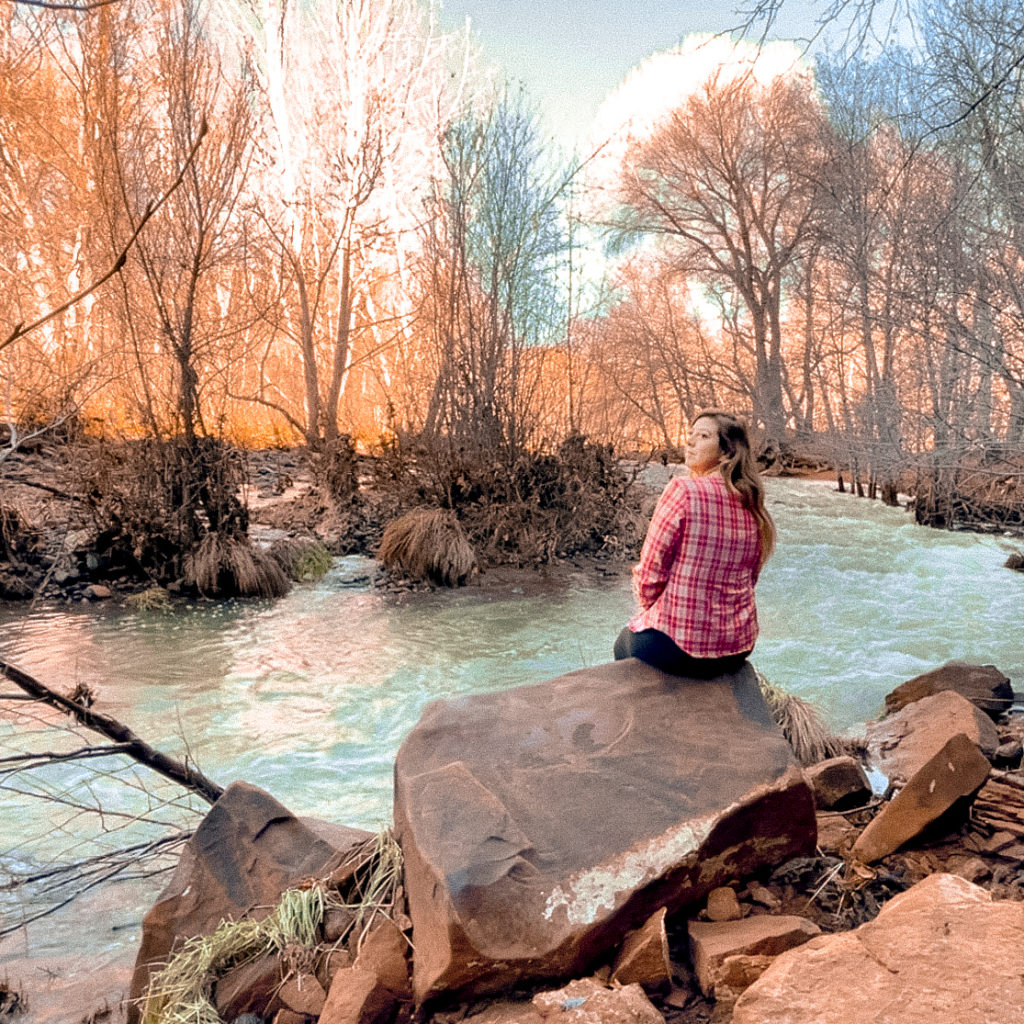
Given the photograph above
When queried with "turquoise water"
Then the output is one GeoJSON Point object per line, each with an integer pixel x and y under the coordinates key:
{"type": "Point", "coordinates": [309, 696]}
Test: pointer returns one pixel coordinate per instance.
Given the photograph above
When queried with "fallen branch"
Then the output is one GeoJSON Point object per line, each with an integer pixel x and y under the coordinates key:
{"type": "Point", "coordinates": [131, 744]}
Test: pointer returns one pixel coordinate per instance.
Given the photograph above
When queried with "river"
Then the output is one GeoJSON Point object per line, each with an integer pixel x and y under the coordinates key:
{"type": "Point", "coordinates": [310, 695]}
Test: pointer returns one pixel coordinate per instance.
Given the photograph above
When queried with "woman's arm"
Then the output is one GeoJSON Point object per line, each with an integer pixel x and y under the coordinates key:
{"type": "Point", "coordinates": [661, 545]}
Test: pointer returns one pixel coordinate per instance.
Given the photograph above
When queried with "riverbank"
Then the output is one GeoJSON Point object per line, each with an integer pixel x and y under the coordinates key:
{"type": "Point", "coordinates": [310, 695]}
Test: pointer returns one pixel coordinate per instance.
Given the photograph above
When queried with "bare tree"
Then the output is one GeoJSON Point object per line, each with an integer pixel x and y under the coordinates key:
{"type": "Point", "coordinates": [728, 182]}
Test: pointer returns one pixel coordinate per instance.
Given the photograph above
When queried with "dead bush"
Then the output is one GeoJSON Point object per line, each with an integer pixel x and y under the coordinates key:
{"type": "Point", "coordinates": [534, 507]}
{"type": "Point", "coordinates": [154, 503]}
{"type": "Point", "coordinates": [428, 544]}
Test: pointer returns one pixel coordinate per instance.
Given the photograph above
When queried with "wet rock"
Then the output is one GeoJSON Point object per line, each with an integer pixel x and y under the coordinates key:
{"type": "Point", "coordinates": [539, 825]}
{"type": "Point", "coordinates": [762, 935]}
{"type": "Point", "coordinates": [903, 743]}
{"type": "Point", "coordinates": [246, 851]}
{"type": "Point", "coordinates": [838, 783]}
{"type": "Point", "coordinates": [983, 685]}
{"type": "Point", "coordinates": [943, 952]}
{"type": "Point", "coordinates": [587, 1002]}
{"type": "Point", "coordinates": [722, 904]}
{"type": "Point", "coordinates": [958, 770]}
{"type": "Point", "coordinates": [644, 957]}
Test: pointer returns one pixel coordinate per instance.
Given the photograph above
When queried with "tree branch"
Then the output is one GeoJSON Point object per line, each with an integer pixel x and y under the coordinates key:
{"type": "Point", "coordinates": [130, 743]}
{"type": "Point", "coordinates": [151, 208]}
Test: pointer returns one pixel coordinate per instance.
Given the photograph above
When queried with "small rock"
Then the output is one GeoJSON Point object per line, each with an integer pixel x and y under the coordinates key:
{"type": "Point", "coordinates": [302, 993]}
{"type": "Point", "coordinates": [586, 1002]}
{"type": "Point", "coordinates": [357, 997]}
{"type": "Point", "coordinates": [337, 922]}
{"type": "Point", "coordinates": [763, 896]}
{"type": "Point", "coordinates": [723, 905]}
{"type": "Point", "coordinates": [385, 953]}
{"type": "Point", "coordinates": [248, 988]}
{"type": "Point", "coordinates": [998, 842]}
{"type": "Point", "coordinates": [644, 957]}
{"type": "Point", "coordinates": [711, 944]}
{"type": "Point", "coordinates": [974, 869]}
{"type": "Point", "coordinates": [838, 783]}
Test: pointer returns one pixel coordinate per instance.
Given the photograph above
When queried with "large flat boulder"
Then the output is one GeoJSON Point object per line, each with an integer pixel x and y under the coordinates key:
{"type": "Point", "coordinates": [943, 952]}
{"type": "Point", "coordinates": [541, 824]}
{"type": "Point", "coordinates": [902, 744]}
{"type": "Point", "coordinates": [246, 851]}
{"type": "Point", "coordinates": [985, 686]}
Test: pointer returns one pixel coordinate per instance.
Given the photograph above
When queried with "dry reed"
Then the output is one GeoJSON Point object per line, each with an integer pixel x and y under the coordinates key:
{"type": "Point", "coordinates": [428, 544]}
{"type": "Point", "coordinates": [224, 566]}
{"type": "Point", "coordinates": [800, 721]}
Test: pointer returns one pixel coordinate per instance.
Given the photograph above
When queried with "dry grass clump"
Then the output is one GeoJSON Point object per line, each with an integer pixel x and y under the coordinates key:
{"type": "Point", "coordinates": [224, 566]}
{"type": "Point", "coordinates": [800, 721]}
{"type": "Point", "coordinates": [304, 559]}
{"type": "Point", "coordinates": [152, 599]}
{"type": "Point", "coordinates": [428, 544]}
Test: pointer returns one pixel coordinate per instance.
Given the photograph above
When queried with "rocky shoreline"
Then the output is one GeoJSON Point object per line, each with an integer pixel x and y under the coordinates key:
{"type": "Point", "coordinates": [811, 872]}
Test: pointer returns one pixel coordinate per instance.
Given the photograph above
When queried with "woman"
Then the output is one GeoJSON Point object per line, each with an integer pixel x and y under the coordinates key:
{"type": "Point", "coordinates": [709, 536]}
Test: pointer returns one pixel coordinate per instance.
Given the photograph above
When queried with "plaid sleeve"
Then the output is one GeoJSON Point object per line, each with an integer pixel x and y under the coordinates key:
{"type": "Point", "coordinates": [661, 544]}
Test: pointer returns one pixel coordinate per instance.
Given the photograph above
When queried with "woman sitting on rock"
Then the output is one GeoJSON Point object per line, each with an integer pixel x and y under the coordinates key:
{"type": "Point", "coordinates": [709, 536]}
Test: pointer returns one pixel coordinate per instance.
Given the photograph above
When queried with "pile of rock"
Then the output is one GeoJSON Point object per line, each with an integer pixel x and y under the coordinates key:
{"type": "Point", "coordinates": [652, 839]}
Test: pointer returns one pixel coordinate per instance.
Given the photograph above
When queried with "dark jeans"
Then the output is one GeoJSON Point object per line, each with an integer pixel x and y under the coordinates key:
{"type": "Point", "coordinates": [657, 649]}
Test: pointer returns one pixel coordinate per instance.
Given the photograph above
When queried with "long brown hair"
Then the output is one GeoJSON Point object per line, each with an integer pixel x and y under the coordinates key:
{"type": "Point", "coordinates": [739, 470]}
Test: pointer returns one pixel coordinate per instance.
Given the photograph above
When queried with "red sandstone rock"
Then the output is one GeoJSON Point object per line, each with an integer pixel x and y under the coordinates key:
{"type": "Point", "coordinates": [357, 997]}
{"type": "Point", "coordinates": [722, 904]}
{"type": "Point", "coordinates": [943, 952]}
{"type": "Point", "coordinates": [246, 851]}
{"type": "Point", "coordinates": [385, 952]}
{"type": "Point", "coordinates": [541, 824]}
{"type": "Point", "coordinates": [903, 743]}
{"type": "Point", "coordinates": [249, 987]}
{"type": "Point", "coordinates": [302, 993]}
{"type": "Point", "coordinates": [839, 782]}
{"type": "Point", "coordinates": [958, 770]}
{"type": "Point", "coordinates": [983, 685]}
{"type": "Point", "coordinates": [644, 957]}
{"type": "Point", "coordinates": [712, 943]}
{"type": "Point", "coordinates": [587, 1002]}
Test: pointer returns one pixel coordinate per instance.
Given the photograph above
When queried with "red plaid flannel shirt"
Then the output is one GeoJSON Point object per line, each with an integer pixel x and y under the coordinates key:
{"type": "Point", "coordinates": [695, 580]}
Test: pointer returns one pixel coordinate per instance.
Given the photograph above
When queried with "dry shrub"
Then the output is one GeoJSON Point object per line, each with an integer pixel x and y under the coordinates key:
{"type": "Point", "coordinates": [428, 544]}
{"type": "Point", "coordinates": [531, 507]}
{"type": "Point", "coordinates": [153, 502]}
{"type": "Point", "coordinates": [231, 567]}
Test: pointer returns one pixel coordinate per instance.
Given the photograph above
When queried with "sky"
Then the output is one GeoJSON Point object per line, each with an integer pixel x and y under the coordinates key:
{"type": "Point", "coordinates": [571, 54]}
